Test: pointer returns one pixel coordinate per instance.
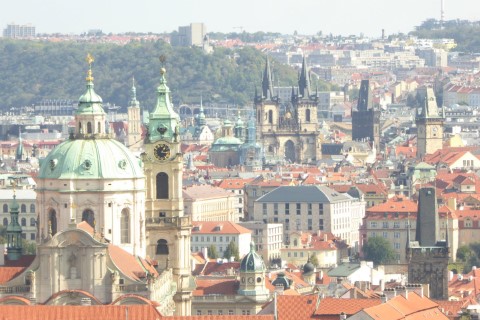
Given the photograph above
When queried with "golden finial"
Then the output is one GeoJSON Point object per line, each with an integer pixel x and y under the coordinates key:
{"type": "Point", "coordinates": [162, 59]}
{"type": "Point", "coordinates": [89, 74]}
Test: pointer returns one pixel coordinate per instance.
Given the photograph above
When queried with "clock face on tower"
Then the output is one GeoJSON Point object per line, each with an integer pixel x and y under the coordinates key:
{"type": "Point", "coordinates": [162, 151]}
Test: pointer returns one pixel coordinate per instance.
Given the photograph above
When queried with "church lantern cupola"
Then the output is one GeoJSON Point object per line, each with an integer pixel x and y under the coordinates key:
{"type": "Point", "coordinates": [14, 233]}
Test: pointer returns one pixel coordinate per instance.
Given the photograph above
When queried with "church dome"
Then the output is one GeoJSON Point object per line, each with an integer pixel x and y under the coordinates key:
{"type": "Point", "coordinates": [281, 281]}
{"type": "Point", "coordinates": [252, 262]}
{"type": "Point", "coordinates": [90, 159]}
{"type": "Point", "coordinates": [308, 268]}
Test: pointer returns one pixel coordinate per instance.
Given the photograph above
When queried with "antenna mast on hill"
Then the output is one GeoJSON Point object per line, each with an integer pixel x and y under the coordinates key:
{"type": "Point", "coordinates": [442, 14]}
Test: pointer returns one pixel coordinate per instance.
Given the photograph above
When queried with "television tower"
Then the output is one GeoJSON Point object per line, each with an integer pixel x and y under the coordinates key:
{"type": "Point", "coordinates": [442, 14]}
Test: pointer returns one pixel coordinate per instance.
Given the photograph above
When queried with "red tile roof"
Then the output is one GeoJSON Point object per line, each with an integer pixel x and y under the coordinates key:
{"type": "Point", "coordinates": [209, 286]}
{"type": "Point", "coordinates": [218, 227]}
{"type": "Point", "coordinates": [14, 268]}
{"type": "Point", "coordinates": [296, 307]}
{"type": "Point", "coordinates": [130, 266]}
{"type": "Point", "coordinates": [335, 306]}
{"type": "Point", "coordinates": [41, 312]}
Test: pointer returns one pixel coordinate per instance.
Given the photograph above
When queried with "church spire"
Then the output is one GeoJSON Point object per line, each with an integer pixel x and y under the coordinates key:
{"type": "Point", "coordinates": [304, 80]}
{"type": "Point", "coordinates": [14, 231]}
{"type": "Point", "coordinates": [267, 82]}
{"type": "Point", "coordinates": [133, 95]}
{"type": "Point", "coordinates": [164, 121]}
{"type": "Point", "coordinates": [201, 116]}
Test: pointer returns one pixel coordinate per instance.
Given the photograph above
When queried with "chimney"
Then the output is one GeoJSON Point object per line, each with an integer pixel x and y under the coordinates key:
{"type": "Point", "coordinates": [86, 302]}
{"type": "Point", "coordinates": [343, 316]}
{"type": "Point", "coordinates": [2, 254]}
{"type": "Point", "coordinates": [390, 293]}
{"type": "Point", "coordinates": [382, 285]}
{"type": "Point", "coordinates": [325, 238]}
{"type": "Point", "coordinates": [384, 298]}
{"type": "Point", "coordinates": [205, 253]}
{"type": "Point", "coordinates": [402, 290]}
{"type": "Point", "coordinates": [415, 287]}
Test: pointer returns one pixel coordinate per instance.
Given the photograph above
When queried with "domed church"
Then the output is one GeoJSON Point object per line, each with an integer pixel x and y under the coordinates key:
{"type": "Point", "coordinates": [92, 177]}
{"type": "Point", "coordinates": [111, 226]}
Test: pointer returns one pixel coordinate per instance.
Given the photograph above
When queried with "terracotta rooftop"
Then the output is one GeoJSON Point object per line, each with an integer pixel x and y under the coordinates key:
{"type": "Point", "coordinates": [215, 286]}
{"type": "Point", "coordinates": [205, 192]}
{"type": "Point", "coordinates": [41, 312]}
{"type": "Point", "coordinates": [133, 267]}
{"type": "Point", "coordinates": [218, 227]}
{"type": "Point", "coordinates": [335, 306]}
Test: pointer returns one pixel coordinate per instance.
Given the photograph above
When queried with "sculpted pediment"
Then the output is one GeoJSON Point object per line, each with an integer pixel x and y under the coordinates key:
{"type": "Point", "coordinates": [75, 237]}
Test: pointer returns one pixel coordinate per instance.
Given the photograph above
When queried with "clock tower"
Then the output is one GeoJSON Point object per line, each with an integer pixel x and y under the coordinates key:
{"type": "Point", "coordinates": [429, 120]}
{"type": "Point", "coordinates": [167, 228]}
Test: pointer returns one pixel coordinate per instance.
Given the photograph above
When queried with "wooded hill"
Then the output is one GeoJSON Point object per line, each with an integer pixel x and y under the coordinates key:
{"type": "Point", "coordinates": [32, 71]}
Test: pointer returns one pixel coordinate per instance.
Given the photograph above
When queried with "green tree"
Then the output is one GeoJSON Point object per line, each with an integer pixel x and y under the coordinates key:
{"type": "Point", "coordinates": [212, 252]}
{"type": "Point", "coordinates": [29, 247]}
{"type": "Point", "coordinates": [378, 250]}
{"type": "Point", "coordinates": [314, 259]}
{"type": "Point", "coordinates": [464, 253]}
{"type": "Point", "coordinates": [232, 251]}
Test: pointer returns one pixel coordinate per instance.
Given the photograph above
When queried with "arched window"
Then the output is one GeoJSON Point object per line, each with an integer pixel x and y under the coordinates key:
{"type": "Point", "coordinates": [89, 216]}
{"type": "Point", "coordinates": [162, 246]}
{"type": "Point", "coordinates": [89, 127]}
{"type": "Point", "coordinates": [125, 226]}
{"type": "Point", "coordinates": [98, 127]}
{"type": "Point", "coordinates": [295, 243]}
{"type": "Point", "coordinates": [307, 115]}
{"type": "Point", "coordinates": [162, 185]}
{"type": "Point", "coordinates": [5, 222]}
{"type": "Point", "coordinates": [5, 208]}
{"type": "Point", "coordinates": [52, 221]}
{"type": "Point", "coordinates": [23, 208]}
{"type": "Point", "coordinates": [32, 208]}
{"type": "Point", "coordinates": [24, 222]}
{"type": "Point", "coordinates": [270, 116]}
{"type": "Point", "coordinates": [32, 222]}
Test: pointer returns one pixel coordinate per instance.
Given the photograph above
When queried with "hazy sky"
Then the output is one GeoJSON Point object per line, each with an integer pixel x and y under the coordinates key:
{"type": "Point", "coordinates": [306, 16]}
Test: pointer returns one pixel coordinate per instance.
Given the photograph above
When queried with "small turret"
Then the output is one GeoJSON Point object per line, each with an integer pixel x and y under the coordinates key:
{"type": "Point", "coordinates": [14, 232]}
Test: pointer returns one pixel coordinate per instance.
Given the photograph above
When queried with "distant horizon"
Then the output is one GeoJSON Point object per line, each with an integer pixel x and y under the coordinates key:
{"type": "Point", "coordinates": [307, 17]}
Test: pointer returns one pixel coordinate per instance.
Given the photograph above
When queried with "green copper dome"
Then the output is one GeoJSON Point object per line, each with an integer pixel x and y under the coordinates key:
{"type": "Point", "coordinates": [252, 262]}
{"type": "Point", "coordinates": [90, 102]}
{"type": "Point", "coordinates": [90, 159]}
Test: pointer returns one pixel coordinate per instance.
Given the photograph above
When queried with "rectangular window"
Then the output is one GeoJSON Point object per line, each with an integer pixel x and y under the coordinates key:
{"type": "Point", "coordinates": [320, 208]}
{"type": "Point", "coordinates": [298, 224]}
{"type": "Point", "coordinates": [310, 225]}
{"type": "Point", "coordinates": [287, 208]}
{"type": "Point", "coordinates": [227, 238]}
{"type": "Point", "coordinates": [199, 312]}
{"type": "Point", "coordinates": [220, 312]}
{"type": "Point", "coordinates": [396, 235]}
{"type": "Point", "coordinates": [254, 192]}
{"type": "Point", "coordinates": [299, 211]}
{"type": "Point", "coordinates": [385, 234]}
{"type": "Point", "coordinates": [309, 209]}
{"type": "Point", "coordinates": [264, 209]}
{"type": "Point", "coordinates": [208, 239]}
{"type": "Point", "coordinates": [287, 224]}
{"type": "Point", "coordinates": [221, 238]}
{"type": "Point", "coordinates": [396, 245]}
{"type": "Point", "coordinates": [396, 225]}
{"type": "Point", "coordinates": [214, 239]}
{"type": "Point", "coordinates": [275, 208]}
{"type": "Point", "coordinates": [230, 312]}
{"type": "Point", "coordinates": [385, 225]}
{"type": "Point", "coordinates": [320, 224]}
{"type": "Point", "coordinates": [373, 224]}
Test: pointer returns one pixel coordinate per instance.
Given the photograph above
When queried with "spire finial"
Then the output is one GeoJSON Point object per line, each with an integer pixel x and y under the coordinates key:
{"type": "Point", "coordinates": [90, 61]}
{"type": "Point", "coordinates": [162, 59]}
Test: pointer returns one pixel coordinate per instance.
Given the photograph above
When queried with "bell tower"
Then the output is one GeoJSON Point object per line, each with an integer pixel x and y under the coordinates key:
{"type": "Point", "coordinates": [429, 120]}
{"type": "Point", "coordinates": [168, 230]}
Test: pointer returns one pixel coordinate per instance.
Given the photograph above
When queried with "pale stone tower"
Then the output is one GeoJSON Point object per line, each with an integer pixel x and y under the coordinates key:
{"type": "Point", "coordinates": [168, 230]}
{"type": "Point", "coordinates": [429, 120]}
{"type": "Point", "coordinates": [134, 136]}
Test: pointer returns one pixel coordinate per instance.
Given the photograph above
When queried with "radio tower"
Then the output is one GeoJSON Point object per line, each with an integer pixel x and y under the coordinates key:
{"type": "Point", "coordinates": [442, 14]}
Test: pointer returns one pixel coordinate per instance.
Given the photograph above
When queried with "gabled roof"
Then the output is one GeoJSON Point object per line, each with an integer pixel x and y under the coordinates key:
{"type": "Point", "coordinates": [218, 227]}
{"type": "Point", "coordinates": [310, 193]}
{"type": "Point", "coordinates": [132, 267]}
{"type": "Point", "coordinates": [296, 307]}
{"type": "Point", "coordinates": [14, 268]}
{"type": "Point", "coordinates": [399, 307]}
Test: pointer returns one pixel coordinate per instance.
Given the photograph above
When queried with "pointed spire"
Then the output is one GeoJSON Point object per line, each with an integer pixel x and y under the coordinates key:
{"type": "Point", "coordinates": [304, 80]}
{"type": "Point", "coordinates": [133, 95]}
{"type": "Point", "coordinates": [267, 82]}
{"type": "Point", "coordinates": [14, 231]}
{"type": "Point", "coordinates": [201, 116]}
